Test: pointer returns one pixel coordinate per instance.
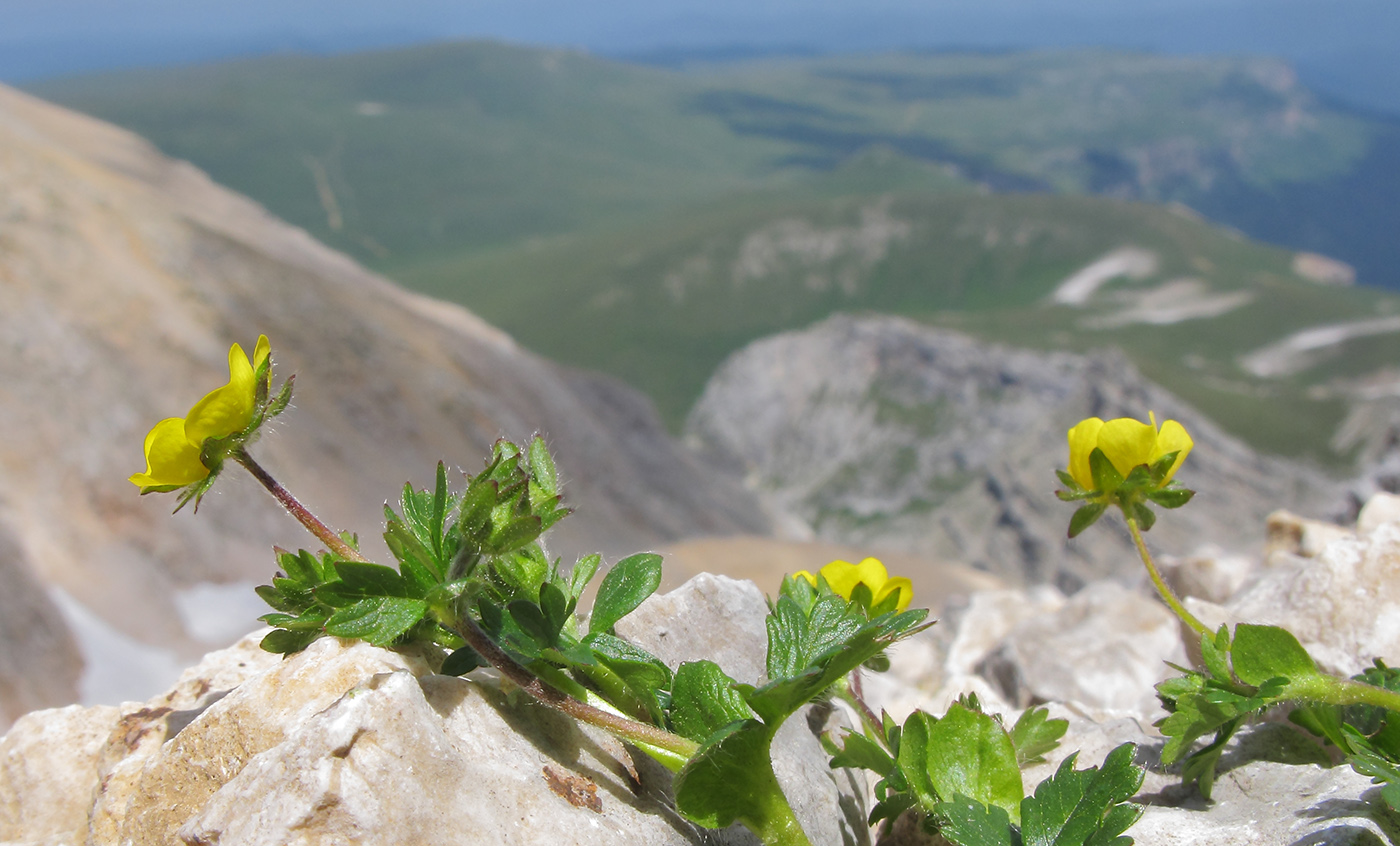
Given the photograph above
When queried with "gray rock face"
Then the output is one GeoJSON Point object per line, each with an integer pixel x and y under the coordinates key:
{"type": "Point", "coordinates": [882, 431]}
{"type": "Point", "coordinates": [127, 275]}
{"type": "Point", "coordinates": [39, 661]}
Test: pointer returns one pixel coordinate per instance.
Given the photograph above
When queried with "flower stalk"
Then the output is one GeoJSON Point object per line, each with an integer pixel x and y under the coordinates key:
{"type": "Point", "coordinates": [334, 542]}
{"type": "Point", "coordinates": [1163, 589]}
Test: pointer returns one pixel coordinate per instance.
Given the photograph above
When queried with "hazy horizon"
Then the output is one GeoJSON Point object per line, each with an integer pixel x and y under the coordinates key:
{"type": "Point", "coordinates": [1343, 48]}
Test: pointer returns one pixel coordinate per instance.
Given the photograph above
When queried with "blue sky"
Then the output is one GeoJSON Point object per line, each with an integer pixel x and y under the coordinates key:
{"type": "Point", "coordinates": [1344, 47]}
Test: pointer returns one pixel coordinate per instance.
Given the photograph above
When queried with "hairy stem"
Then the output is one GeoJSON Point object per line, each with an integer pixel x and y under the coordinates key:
{"type": "Point", "coordinates": [1168, 596]}
{"type": "Point", "coordinates": [849, 691]}
{"type": "Point", "coordinates": [618, 726]}
{"type": "Point", "coordinates": [1335, 691]}
{"type": "Point", "coordinates": [303, 515]}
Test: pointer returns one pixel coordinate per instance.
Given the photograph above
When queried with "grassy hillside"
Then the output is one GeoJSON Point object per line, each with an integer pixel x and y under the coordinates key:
{"type": "Point", "coordinates": [647, 222]}
{"type": "Point", "coordinates": [663, 305]}
{"type": "Point", "coordinates": [399, 155]}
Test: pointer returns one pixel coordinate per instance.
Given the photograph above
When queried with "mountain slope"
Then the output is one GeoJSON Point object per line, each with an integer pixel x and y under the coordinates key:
{"type": "Point", "coordinates": [1188, 302]}
{"type": "Point", "coordinates": [124, 277]}
{"type": "Point", "coordinates": [400, 155]}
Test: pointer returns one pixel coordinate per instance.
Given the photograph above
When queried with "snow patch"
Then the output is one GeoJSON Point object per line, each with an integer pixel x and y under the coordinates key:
{"type": "Point", "coordinates": [1132, 262]}
{"type": "Point", "coordinates": [116, 667]}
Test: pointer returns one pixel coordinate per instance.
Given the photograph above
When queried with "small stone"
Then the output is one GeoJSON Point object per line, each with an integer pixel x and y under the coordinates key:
{"type": "Point", "coordinates": [1211, 574]}
{"type": "Point", "coordinates": [1288, 533]}
{"type": "Point", "coordinates": [1381, 508]}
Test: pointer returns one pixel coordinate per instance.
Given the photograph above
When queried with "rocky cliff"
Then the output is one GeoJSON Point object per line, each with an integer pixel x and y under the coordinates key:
{"type": "Point", "coordinates": [880, 431]}
{"type": "Point", "coordinates": [124, 277]}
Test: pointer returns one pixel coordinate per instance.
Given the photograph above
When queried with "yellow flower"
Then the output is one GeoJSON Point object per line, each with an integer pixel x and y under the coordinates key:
{"type": "Point", "coordinates": [1126, 443]}
{"type": "Point", "coordinates": [843, 577]}
{"type": "Point", "coordinates": [174, 445]}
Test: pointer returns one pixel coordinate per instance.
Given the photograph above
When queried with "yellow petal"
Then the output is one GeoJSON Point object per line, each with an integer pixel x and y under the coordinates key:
{"type": "Point", "coordinates": [1127, 443]}
{"type": "Point", "coordinates": [225, 410]}
{"type": "Point", "coordinates": [261, 351]}
{"type": "Point", "coordinates": [171, 460]}
{"type": "Point", "coordinates": [871, 572]}
{"type": "Point", "coordinates": [900, 584]}
{"type": "Point", "coordinates": [1172, 438]}
{"type": "Point", "coordinates": [842, 577]}
{"type": "Point", "coordinates": [1082, 440]}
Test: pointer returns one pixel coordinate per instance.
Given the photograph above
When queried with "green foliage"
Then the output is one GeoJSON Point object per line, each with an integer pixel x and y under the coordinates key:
{"type": "Point", "coordinates": [1071, 808]}
{"type": "Point", "coordinates": [439, 538]}
{"type": "Point", "coordinates": [963, 772]}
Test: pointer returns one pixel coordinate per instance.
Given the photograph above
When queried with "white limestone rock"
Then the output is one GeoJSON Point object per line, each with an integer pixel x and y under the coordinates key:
{"type": "Point", "coordinates": [1106, 647]}
{"type": "Point", "coordinates": [1380, 509]}
{"type": "Point", "coordinates": [1343, 605]}
{"type": "Point", "coordinates": [348, 743]}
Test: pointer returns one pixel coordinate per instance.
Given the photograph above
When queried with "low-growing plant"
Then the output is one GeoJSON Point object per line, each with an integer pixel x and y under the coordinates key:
{"type": "Point", "coordinates": [1243, 672]}
{"type": "Point", "coordinates": [473, 580]}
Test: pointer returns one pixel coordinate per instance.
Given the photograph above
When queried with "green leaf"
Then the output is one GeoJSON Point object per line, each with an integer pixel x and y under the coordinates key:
{"type": "Point", "coordinates": [1106, 476]}
{"type": "Point", "coordinates": [731, 779]}
{"type": "Point", "coordinates": [283, 642]}
{"type": "Point", "coordinates": [1084, 807]}
{"type": "Point", "coordinates": [626, 585]}
{"type": "Point", "coordinates": [512, 535]}
{"type": "Point", "coordinates": [967, 753]}
{"type": "Point", "coordinates": [554, 605]}
{"type": "Point", "coordinates": [284, 396]}
{"type": "Point", "coordinates": [1171, 497]}
{"type": "Point", "coordinates": [277, 599]}
{"type": "Point", "coordinates": [582, 574]}
{"type": "Point", "coordinates": [417, 564]}
{"type": "Point", "coordinates": [1215, 653]}
{"type": "Point", "coordinates": [796, 639]}
{"type": "Point", "coordinates": [1162, 466]}
{"type": "Point", "coordinates": [1085, 517]}
{"type": "Point", "coordinates": [542, 467]}
{"type": "Point", "coordinates": [825, 666]}
{"type": "Point", "coordinates": [704, 700]}
{"type": "Point", "coordinates": [474, 518]}
{"type": "Point", "coordinates": [1260, 653]}
{"type": "Point", "coordinates": [299, 566]}
{"type": "Point", "coordinates": [1035, 734]}
{"type": "Point", "coordinates": [1071, 486]}
{"type": "Point", "coordinates": [363, 579]}
{"type": "Point", "coordinates": [523, 571]}
{"type": "Point", "coordinates": [1144, 516]}
{"type": "Point", "coordinates": [377, 620]}
{"type": "Point", "coordinates": [1200, 766]}
{"type": "Point", "coordinates": [968, 822]}
{"type": "Point", "coordinates": [461, 662]}
{"type": "Point", "coordinates": [532, 622]}
{"type": "Point", "coordinates": [310, 620]}
{"type": "Point", "coordinates": [646, 677]}
{"type": "Point", "coordinates": [860, 751]}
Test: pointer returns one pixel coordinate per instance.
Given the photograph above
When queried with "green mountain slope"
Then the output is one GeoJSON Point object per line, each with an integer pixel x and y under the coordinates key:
{"type": "Point", "coordinates": [398, 155]}
{"type": "Point", "coordinates": [663, 305]}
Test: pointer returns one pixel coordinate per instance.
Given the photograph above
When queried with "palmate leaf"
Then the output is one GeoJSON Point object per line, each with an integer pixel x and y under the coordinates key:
{"type": "Point", "coordinates": [1036, 734]}
{"type": "Point", "coordinates": [793, 685]}
{"type": "Point", "coordinates": [377, 620]}
{"type": "Point", "coordinates": [965, 753]}
{"type": "Point", "coordinates": [968, 822]}
{"type": "Point", "coordinates": [1084, 807]}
